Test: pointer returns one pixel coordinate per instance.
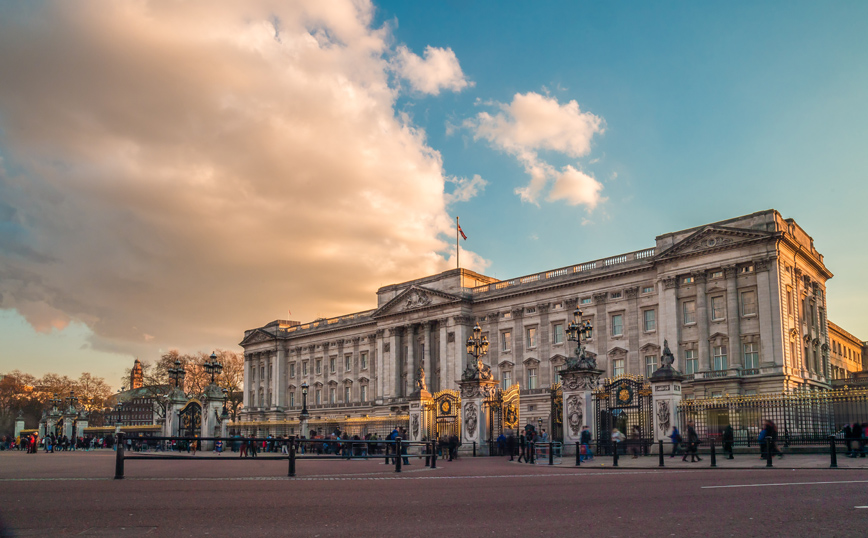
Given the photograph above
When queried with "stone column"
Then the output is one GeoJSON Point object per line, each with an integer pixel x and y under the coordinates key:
{"type": "Point", "coordinates": [764, 304]}
{"type": "Point", "coordinates": [443, 380]}
{"type": "Point", "coordinates": [378, 360]}
{"type": "Point", "coordinates": [409, 369]}
{"type": "Point", "coordinates": [68, 418]}
{"type": "Point", "coordinates": [248, 382]}
{"type": "Point", "coordinates": [474, 415]}
{"type": "Point", "coordinates": [211, 409]}
{"type": "Point", "coordinates": [733, 331]}
{"type": "Point", "coordinates": [578, 386]}
{"type": "Point", "coordinates": [463, 326]}
{"type": "Point", "coordinates": [670, 325]}
{"type": "Point", "coordinates": [702, 321]}
{"type": "Point", "coordinates": [601, 331]}
{"type": "Point", "coordinates": [176, 401]}
{"type": "Point", "coordinates": [279, 382]}
{"type": "Point", "coordinates": [666, 387]}
{"type": "Point", "coordinates": [544, 346]}
{"type": "Point", "coordinates": [634, 329]}
{"type": "Point", "coordinates": [393, 365]}
{"type": "Point", "coordinates": [426, 353]}
{"type": "Point", "coordinates": [81, 424]}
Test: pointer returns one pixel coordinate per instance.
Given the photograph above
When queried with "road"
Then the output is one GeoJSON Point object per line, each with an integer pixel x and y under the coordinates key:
{"type": "Point", "coordinates": [73, 494]}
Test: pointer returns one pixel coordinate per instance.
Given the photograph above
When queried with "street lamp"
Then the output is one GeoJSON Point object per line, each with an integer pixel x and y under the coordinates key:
{"type": "Point", "coordinates": [55, 402]}
{"type": "Point", "coordinates": [120, 413]}
{"type": "Point", "coordinates": [304, 413]}
{"type": "Point", "coordinates": [71, 400]}
{"type": "Point", "coordinates": [578, 331]}
{"type": "Point", "coordinates": [477, 345]}
{"type": "Point", "coordinates": [177, 374]}
{"type": "Point", "coordinates": [213, 367]}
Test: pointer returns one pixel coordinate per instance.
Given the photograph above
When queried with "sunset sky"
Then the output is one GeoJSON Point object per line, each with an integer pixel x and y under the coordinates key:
{"type": "Point", "coordinates": [172, 174]}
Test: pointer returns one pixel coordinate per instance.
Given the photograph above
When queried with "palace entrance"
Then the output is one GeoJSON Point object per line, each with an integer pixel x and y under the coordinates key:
{"type": "Point", "coordinates": [442, 415]}
{"type": "Point", "coordinates": [624, 403]}
{"type": "Point", "coordinates": [190, 423]}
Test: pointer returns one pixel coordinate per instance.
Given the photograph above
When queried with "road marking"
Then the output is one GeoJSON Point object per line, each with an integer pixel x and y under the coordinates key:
{"type": "Point", "coordinates": [786, 484]}
{"type": "Point", "coordinates": [860, 507]}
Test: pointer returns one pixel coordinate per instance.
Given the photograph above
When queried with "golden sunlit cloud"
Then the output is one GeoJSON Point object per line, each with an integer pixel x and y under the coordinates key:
{"type": "Point", "coordinates": [183, 172]}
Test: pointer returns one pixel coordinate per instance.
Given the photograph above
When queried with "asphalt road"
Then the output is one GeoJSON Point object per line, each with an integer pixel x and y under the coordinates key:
{"type": "Point", "coordinates": [73, 494]}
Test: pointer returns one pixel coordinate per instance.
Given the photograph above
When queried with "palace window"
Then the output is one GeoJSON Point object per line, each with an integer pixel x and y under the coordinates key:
{"type": "Point", "coordinates": [615, 295]}
{"type": "Point", "coordinates": [531, 337]}
{"type": "Point", "coordinates": [649, 318]}
{"type": "Point", "coordinates": [617, 367]}
{"type": "Point", "coordinates": [789, 301]}
{"type": "Point", "coordinates": [586, 300]}
{"type": "Point", "coordinates": [746, 269]}
{"type": "Point", "coordinates": [748, 303]}
{"type": "Point", "coordinates": [507, 379]}
{"type": "Point", "coordinates": [648, 289]}
{"type": "Point", "coordinates": [347, 394]}
{"type": "Point", "coordinates": [319, 366]}
{"type": "Point", "coordinates": [318, 396]}
{"type": "Point", "coordinates": [292, 399]}
{"type": "Point", "coordinates": [688, 309]}
{"type": "Point", "coordinates": [531, 378]}
{"type": "Point", "coordinates": [348, 362]}
{"type": "Point", "coordinates": [506, 340]}
{"type": "Point", "coordinates": [364, 360]}
{"type": "Point", "coordinates": [751, 355]}
{"type": "Point", "coordinates": [687, 280]}
{"type": "Point", "coordinates": [718, 309]}
{"type": "Point", "coordinates": [333, 395]}
{"type": "Point", "coordinates": [719, 353]}
{"type": "Point", "coordinates": [332, 361]}
{"type": "Point", "coordinates": [558, 333]}
{"type": "Point", "coordinates": [617, 325]}
{"type": "Point", "coordinates": [304, 368]}
{"type": "Point", "coordinates": [717, 274]}
{"type": "Point", "coordinates": [364, 393]}
{"type": "Point", "coordinates": [650, 364]}
{"type": "Point", "coordinates": [691, 363]}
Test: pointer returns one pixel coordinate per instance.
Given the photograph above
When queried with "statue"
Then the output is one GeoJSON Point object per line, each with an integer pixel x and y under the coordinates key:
{"type": "Point", "coordinates": [420, 378]}
{"type": "Point", "coordinates": [668, 358]}
{"type": "Point", "coordinates": [582, 361]}
{"type": "Point", "coordinates": [477, 372]}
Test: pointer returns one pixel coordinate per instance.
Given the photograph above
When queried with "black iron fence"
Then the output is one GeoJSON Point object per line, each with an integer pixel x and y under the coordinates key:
{"type": "Point", "coordinates": [799, 417]}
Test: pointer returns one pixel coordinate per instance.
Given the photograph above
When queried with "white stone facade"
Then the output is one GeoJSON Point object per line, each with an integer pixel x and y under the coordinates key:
{"type": "Point", "coordinates": [741, 302]}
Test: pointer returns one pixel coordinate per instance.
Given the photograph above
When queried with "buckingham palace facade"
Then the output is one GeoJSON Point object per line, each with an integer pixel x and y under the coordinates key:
{"type": "Point", "coordinates": [741, 303]}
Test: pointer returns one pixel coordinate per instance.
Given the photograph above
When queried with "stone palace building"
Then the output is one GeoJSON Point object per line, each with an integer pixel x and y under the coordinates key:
{"type": "Point", "coordinates": [741, 302]}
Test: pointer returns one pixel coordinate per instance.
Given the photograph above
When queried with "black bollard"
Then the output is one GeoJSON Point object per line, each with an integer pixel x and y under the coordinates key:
{"type": "Point", "coordinates": [551, 453]}
{"type": "Point", "coordinates": [291, 458]}
{"type": "Point", "coordinates": [615, 456]}
{"type": "Point", "coordinates": [578, 454]}
{"type": "Point", "coordinates": [768, 452]}
{"type": "Point", "coordinates": [119, 457]}
{"type": "Point", "coordinates": [531, 447]}
{"type": "Point", "coordinates": [833, 452]}
{"type": "Point", "coordinates": [398, 459]}
{"type": "Point", "coordinates": [713, 455]}
{"type": "Point", "coordinates": [474, 449]}
{"type": "Point", "coordinates": [661, 462]}
{"type": "Point", "coordinates": [428, 454]}
{"type": "Point", "coordinates": [433, 455]}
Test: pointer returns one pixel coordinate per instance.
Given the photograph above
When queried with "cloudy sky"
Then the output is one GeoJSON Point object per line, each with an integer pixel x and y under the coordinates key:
{"type": "Point", "coordinates": [172, 174]}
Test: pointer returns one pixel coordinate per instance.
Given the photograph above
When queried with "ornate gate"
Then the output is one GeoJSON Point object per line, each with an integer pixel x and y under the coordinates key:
{"type": "Point", "coordinates": [624, 402]}
{"type": "Point", "coordinates": [442, 415]}
{"type": "Point", "coordinates": [503, 411]}
{"type": "Point", "coordinates": [190, 420]}
{"type": "Point", "coordinates": [557, 412]}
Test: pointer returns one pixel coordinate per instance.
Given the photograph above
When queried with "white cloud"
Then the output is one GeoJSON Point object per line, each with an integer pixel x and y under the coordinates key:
{"type": "Point", "coordinates": [465, 189]}
{"type": "Point", "coordinates": [532, 123]}
{"type": "Point", "coordinates": [439, 69]}
{"type": "Point", "coordinates": [177, 173]}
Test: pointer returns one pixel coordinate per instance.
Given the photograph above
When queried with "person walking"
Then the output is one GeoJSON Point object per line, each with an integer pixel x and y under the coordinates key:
{"type": "Point", "coordinates": [692, 444]}
{"type": "Point", "coordinates": [585, 440]}
{"type": "Point", "coordinates": [675, 436]}
{"type": "Point", "coordinates": [728, 440]}
{"type": "Point", "coordinates": [618, 439]}
{"type": "Point", "coordinates": [510, 444]}
{"type": "Point", "coordinates": [635, 436]}
{"type": "Point", "coordinates": [522, 448]}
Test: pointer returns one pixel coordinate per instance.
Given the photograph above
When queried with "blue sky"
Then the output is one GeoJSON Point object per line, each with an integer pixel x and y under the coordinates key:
{"type": "Point", "coordinates": [138, 218]}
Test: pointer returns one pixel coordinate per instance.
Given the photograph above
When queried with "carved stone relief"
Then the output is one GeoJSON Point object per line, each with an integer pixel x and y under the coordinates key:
{"type": "Point", "coordinates": [663, 415]}
{"type": "Point", "coordinates": [575, 414]}
{"type": "Point", "coordinates": [470, 418]}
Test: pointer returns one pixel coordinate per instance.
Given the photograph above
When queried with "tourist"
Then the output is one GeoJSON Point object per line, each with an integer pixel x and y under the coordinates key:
{"type": "Point", "coordinates": [522, 447]}
{"type": "Point", "coordinates": [676, 441]}
{"type": "Point", "coordinates": [692, 444]}
{"type": "Point", "coordinates": [585, 439]}
{"type": "Point", "coordinates": [728, 440]}
{"type": "Point", "coordinates": [635, 437]}
{"type": "Point", "coordinates": [510, 444]}
{"type": "Point", "coordinates": [218, 447]}
{"type": "Point", "coordinates": [618, 439]}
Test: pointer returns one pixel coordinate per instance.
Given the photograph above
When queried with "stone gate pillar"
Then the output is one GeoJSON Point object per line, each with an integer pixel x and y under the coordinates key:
{"type": "Point", "coordinates": [212, 408]}
{"type": "Point", "coordinates": [175, 402]}
{"type": "Point", "coordinates": [666, 387]}
{"type": "Point", "coordinates": [477, 383]}
{"type": "Point", "coordinates": [578, 383]}
{"type": "Point", "coordinates": [19, 424]}
{"type": "Point", "coordinates": [68, 420]}
{"type": "Point", "coordinates": [419, 400]}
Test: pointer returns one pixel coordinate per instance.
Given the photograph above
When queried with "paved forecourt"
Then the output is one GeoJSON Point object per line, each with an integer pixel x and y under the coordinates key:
{"type": "Point", "coordinates": [72, 493]}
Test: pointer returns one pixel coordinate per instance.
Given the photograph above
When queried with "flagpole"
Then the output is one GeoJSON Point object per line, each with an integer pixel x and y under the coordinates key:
{"type": "Point", "coordinates": [457, 254]}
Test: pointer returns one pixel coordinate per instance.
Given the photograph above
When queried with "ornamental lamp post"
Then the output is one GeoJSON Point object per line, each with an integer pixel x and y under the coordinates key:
{"type": "Point", "coordinates": [579, 331]}
{"type": "Point", "coordinates": [304, 413]}
{"type": "Point", "coordinates": [72, 400]}
{"type": "Point", "coordinates": [213, 367]}
{"type": "Point", "coordinates": [477, 345]}
{"type": "Point", "coordinates": [177, 374]}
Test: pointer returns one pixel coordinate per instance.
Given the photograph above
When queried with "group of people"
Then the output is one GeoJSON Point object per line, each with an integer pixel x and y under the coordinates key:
{"type": "Point", "coordinates": [856, 433]}
{"type": "Point", "coordinates": [767, 439]}
{"type": "Point", "coordinates": [32, 442]}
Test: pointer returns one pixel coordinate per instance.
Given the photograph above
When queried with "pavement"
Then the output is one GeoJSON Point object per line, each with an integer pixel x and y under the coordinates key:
{"type": "Point", "coordinates": [70, 494]}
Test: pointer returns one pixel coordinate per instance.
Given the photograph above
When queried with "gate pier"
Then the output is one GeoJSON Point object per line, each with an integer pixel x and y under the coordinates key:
{"type": "Point", "coordinates": [477, 385]}
{"type": "Point", "coordinates": [578, 383]}
{"type": "Point", "coordinates": [666, 385]}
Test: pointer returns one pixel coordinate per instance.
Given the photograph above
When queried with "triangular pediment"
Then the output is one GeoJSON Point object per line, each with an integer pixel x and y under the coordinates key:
{"type": "Point", "coordinates": [256, 336]}
{"type": "Point", "coordinates": [416, 298]}
{"type": "Point", "coordinates": [617, 351]}
{"type": "Point", "coordinates": [711, 239]}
